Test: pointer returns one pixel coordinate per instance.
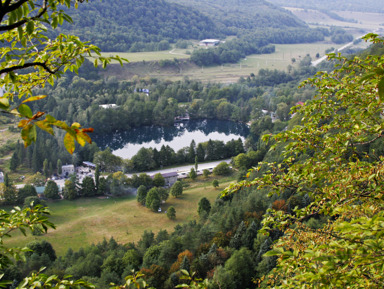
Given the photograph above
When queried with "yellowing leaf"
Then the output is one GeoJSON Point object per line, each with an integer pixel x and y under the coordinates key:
{"type": "Point", "coordinates": [45, 126]}
{"type": "Point", "coordinates": [33, 98]}
{"type": "Point", "coordinates": [28, 134]}
{"type": "Point", "coordinates": [69, 143]}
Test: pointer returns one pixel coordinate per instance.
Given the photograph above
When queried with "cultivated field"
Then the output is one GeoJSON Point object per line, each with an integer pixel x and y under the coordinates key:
{"type": "Point", "coordinates": [87, 221]}
{"type": "Point", "coordinates": [364, 20]}
{"type": "Point", "coordinates": [141, 66]}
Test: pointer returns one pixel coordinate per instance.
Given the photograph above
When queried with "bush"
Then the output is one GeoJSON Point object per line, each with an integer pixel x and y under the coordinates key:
{"type": "Point", "coordinates": [171, 213]}
{"type": "Point", "coordinates": [222, 169]}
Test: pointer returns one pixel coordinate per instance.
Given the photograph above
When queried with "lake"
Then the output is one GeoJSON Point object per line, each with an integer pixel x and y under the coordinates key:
{"type": "Point", "coordinates": [126, 144]}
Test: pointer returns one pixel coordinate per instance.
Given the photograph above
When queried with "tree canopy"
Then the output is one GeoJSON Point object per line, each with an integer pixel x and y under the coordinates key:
{"type": "Point", "coordinates": [31, 59]}
{"type": "Point", "coordinates": [333, 160]}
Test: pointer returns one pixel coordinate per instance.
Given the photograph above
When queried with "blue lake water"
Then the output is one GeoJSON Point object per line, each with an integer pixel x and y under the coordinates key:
{"type": "Point", "coordinates": [126, 144]}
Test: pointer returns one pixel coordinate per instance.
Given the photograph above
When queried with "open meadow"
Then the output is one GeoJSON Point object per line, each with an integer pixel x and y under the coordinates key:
{"type": "Point", "coordinates": [142, 64]}
{"type": "Point", "coordinates": [86, 221]}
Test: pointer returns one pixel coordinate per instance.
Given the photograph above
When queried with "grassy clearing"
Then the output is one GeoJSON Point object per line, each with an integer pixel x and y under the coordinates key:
{"type": "Point", "coordinates": [149, 56]}
{"type": "Point", "coordinates": [226, 73]}
{"type": "Point", "coordinates": [365, 20]}
{"type": "Point", "coordinates": [87, 221]}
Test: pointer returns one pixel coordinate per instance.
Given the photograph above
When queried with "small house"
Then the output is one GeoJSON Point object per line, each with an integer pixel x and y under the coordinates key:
{"type": "Point", "coordinates": [67, 170]}
{"type": "Point", "coordinates": [170, 178]}
{"type": "Point", "coordinates": [209, 42]}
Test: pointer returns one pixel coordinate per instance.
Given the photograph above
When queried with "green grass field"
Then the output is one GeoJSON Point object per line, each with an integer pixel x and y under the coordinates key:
{"type": "Point", "coordinates": [87, 221]}
{"type": "Point", "coordinates": [149, 56]}
{"type": "Point", "coordinates": [142, 66]}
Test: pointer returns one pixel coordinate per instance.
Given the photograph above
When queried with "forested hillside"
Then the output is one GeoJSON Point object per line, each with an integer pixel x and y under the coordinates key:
{"type": "Point", "coordinates": [153, 25]}
{"type": "Point", "coordinates": [138, 25]}
{"type": "Point", "coordinates": [236, 16]}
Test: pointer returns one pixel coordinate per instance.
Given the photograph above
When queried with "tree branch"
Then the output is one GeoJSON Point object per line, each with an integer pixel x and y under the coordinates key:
{"type": "Point", "coordinates": [26, 65]}
{"type": "Point", "coordinates": [22, 22]}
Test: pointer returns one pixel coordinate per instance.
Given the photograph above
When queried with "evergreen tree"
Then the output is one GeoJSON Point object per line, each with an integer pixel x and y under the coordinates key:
{"type": "Point", "coordinates": [35, 159]}
{"type": "Point", "coordinates": [141, 194]}
{"type": "Point", "coordinates": [185, 264]}
{"type": "Point", "coordinates": [196, 163]}
{"type": "Point", "coordinates": [192, 174]}
{"type": "Point", "coordinates": [177, 189]}
{"type": "Point", "coordinates": [200, 153]}
{"type": "Point", "coordinates": [45, 168]}
{"type": "Point", "coordinates": [191, 152]}
{"type": "Point", "coordinates": [204, 206]}
{"type": "Point", "coordinates": [97, 177]}
{"type": "Point", "coordinates": [171, 213]}
{"type": "Point", "coordinates": [7, 181]}
{"type": "Point", "coordinates": [20, 152]}
{"type": "Point", "coordinates": [50, 169]}
{"type": "Point", "coordinates": [88, 187]}
{"type": "Point", "coordinates": [236, 241]}
{"type": "Point", "coordinates": [248, 238]}
{"type": "Point", "coordinates": [59, 167]}
{"type": "Point", "coordinates": [14, 162]}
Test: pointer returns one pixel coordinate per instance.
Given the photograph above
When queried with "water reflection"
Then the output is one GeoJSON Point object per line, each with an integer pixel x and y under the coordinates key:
{"type": "Point", "coordinates": [126, 144]}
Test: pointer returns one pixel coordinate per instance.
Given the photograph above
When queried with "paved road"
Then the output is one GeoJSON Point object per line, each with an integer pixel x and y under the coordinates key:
{"type": "Point", "coordinates": [318, 61]}
{"type": "Point", "coordinates": [186, 168]}
{"type": "Point", "coordinates": [182, 169]}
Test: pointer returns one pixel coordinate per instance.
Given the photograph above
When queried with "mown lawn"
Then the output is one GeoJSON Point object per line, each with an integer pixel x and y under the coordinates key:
{"type": "Point", "coordinates": [87, 221]}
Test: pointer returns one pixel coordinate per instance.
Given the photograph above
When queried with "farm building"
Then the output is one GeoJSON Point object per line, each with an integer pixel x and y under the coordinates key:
{"type": "Point", "coordinates": [209, 42]}
{"type": "Point", "coordinates": [67, 170]}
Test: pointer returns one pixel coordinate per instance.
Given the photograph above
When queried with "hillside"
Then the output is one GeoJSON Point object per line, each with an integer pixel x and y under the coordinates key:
{"type": "Point", "coordinates": [237, 16]}
{"type": "Point", "coordinates": [138, 25]}
{"type": "Point", "coordinates": [149, 25]}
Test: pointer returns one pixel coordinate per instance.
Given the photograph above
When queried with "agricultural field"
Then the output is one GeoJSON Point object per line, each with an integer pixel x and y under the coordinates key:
{"type": "Point", "coordinates": [364, 20]}
{"type": "Point", "coordinates": [141, 66]}
{"type": "Point", "coordinates": [86, 221]}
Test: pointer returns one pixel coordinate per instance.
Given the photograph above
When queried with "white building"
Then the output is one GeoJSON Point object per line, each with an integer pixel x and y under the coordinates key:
{"type": "Point", "coordinates": [209, 42]}
{"type": "Point", "coordinates": [67, 170]}
{"type": "Point", "coordinates": [112, 105]}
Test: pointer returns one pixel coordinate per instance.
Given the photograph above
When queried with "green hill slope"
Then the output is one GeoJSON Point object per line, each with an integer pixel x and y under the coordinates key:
{"type": "Point", "coordinates": [122, 25]}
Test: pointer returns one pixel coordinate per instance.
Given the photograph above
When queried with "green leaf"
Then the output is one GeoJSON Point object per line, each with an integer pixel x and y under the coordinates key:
{"type": "Point", "coordinates": [4, 103]}
{"type": "Point", "coordinates": [30, 27]}
{"type": "Point", "coordinates": [380, 87]}
{"type": "Point", "coordinates": [25, 110]}
{"type": "Point", "coordinates": [20, 32]}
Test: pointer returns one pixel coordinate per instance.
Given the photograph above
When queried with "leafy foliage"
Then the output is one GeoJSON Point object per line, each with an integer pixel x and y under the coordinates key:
{"type": "Point", "coordinates": [30, 59]}
{"type": "Point", "coordinates": [329, 159]}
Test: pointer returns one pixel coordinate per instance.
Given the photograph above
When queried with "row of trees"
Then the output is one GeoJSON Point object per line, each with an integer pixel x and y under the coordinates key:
{"type": "Point", "coordinates": [147, 159]}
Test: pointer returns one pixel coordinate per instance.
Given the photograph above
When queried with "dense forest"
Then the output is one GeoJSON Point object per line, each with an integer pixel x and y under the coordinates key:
{"type": "Point", "coordinates": [138, 25]}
